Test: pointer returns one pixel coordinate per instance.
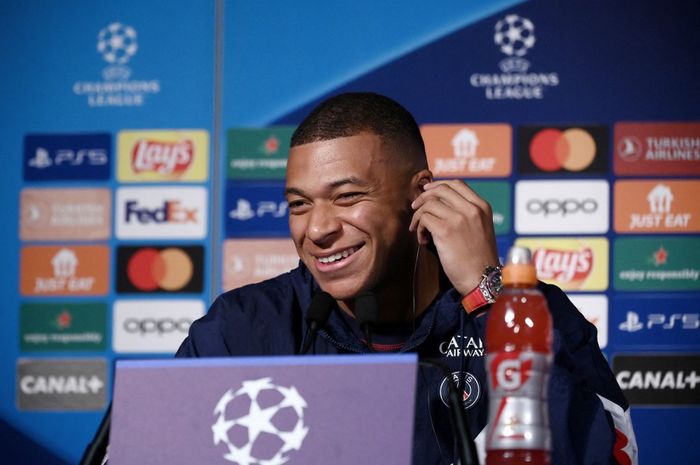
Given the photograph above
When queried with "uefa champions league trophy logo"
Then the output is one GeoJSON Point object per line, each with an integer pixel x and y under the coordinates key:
{"type": "Point", "coordinates": [260, 423]}
{"type": "Point", "coordinates": [514, 35]}
{"type": "Point", "coordinates": [117, 44]}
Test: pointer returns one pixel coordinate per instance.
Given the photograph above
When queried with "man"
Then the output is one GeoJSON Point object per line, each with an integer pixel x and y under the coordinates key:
{"type": "Point", "coordinates": [366, 215]}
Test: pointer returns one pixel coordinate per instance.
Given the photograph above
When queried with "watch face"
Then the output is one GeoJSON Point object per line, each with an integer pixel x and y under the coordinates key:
{"type": "Point", "coordinates": [494, 282]}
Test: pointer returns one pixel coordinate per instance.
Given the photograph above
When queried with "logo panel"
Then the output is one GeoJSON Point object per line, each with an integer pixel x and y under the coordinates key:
{"type": "Point", "coordinates": [573, 264]}
{"type": "Point", "coordinates": [476, 150]}
{"type": "Point", "coordinates": [161, 213]}
{"type": "Point", "coordinates": [74, 270]}
{"type": "Point", "coordinates": [258, 153]}
{"type": "Point", "coordinates": [62, 326]}
{"type": "Point", "coordinates": [557, 207]}
{"type": "Point", "coordinates": [67, 157]}
{"type": "Point", "coordinates": [61, 384]}
{"type": "Point", "coordinates": [471, 393]}
{"type": "Point", "coordinates": [496, 193]}
{"type": "Point", "coordinates": [160, 269]}
{"type": "Point", "coordinates": [659, 379]}
{"type": "Point", "coordinates": [153, 326]}
{"type": "Point", "coordinates": [163, 156]}
{"type": "Point", "coordinates": [657, 149]}
{"type": "Point", "coordinates": [595, 309]}
{"type": "Point", "coordinates": [657, 264]}
{"type": "Point", "coordinates": [256, 209]}
{"type": "Point", "coordinates": [65, 214]}
{"type": "Point", "coordinates": [656, 322]}
{"type": "Point", "coordinates": [270, 429]}
{"type": "Point", "coordinates": [563, 149]}
{"type": "Point", "coordinates": [248, 261]}
{"type": "Point", "coordinates": [514, 36]}
{"type": "Point", "coordinates": [657, 206]}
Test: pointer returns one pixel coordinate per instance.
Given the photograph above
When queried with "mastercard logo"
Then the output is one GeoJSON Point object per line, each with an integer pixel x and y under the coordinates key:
{"type": "Point", "coordinates": [159, 269]}
{"type": "Point", "coordinates": [572, 149]}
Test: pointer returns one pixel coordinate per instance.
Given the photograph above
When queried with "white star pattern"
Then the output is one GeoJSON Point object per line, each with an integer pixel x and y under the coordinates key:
{"type": "Point", "coordinates": [259, 420]}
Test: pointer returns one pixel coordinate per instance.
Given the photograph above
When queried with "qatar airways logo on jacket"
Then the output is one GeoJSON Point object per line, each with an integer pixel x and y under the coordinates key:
{"type": "Point", "coordinates": [161, 213]}
{"type": "Point", "coordinates": [470, 345]}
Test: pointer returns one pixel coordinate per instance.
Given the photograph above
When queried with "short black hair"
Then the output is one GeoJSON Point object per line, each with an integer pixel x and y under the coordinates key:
{"type": "Point", "coordinates": [352, 113]}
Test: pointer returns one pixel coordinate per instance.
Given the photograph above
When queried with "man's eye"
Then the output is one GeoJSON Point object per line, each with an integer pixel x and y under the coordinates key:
{"type": "Point", "coordinates": [296, 204]}
{"type": "Point", "coordinates": [349, 195]}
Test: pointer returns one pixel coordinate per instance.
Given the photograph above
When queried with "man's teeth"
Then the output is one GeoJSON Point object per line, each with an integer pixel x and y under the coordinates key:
{"type": "Point", "coordinates": [336, 257]}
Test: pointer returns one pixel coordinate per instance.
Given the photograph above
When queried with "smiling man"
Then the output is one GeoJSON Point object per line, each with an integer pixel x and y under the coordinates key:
{"type": "Point", "coordinates": [366, 215]}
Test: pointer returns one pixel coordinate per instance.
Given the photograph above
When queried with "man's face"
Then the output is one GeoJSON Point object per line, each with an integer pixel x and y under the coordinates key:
{"type": "Point", "coordinates": [349, 211]}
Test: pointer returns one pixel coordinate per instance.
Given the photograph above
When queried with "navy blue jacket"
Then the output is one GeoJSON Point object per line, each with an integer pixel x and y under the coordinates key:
{"type": "Point", "coordinates": [589, 415]}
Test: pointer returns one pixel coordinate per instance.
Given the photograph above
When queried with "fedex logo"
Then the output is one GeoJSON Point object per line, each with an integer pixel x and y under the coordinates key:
{"type": "Point", "coordinates": [171, 211]}
{"type": "Point", "coordinates": [67, 156]}
{"type": "Point", "coordinates": [161, 213]}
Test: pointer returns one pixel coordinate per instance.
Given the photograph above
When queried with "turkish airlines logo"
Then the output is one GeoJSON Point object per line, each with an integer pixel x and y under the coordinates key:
{"type": "Point", "coordinates": [551, 207]}
{"type": "Point", "coordinates": [153, 326]}
{"type": "Point", "coordinates": [149, 212]}
{"type": "Point", "coordinates": [160, 269]}
{"type": "Point", "coordinates": [249, 261]}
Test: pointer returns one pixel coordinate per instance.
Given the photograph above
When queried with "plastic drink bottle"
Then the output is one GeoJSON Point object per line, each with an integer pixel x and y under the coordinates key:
{"type": "Point", "coordinates": [519, 356]}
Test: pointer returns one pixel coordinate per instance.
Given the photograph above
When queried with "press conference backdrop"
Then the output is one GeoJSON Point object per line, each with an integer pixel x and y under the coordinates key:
{"type": "Point", "coordinates": [144, 148]}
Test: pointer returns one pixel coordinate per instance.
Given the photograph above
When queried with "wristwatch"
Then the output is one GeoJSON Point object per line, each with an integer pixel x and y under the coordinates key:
{"type": "Point", "coordinates": [486, 292]}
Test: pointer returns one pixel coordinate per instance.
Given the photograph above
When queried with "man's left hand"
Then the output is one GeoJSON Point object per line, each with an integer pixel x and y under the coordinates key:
{"type": "Point", "coordinates": [461, 225]}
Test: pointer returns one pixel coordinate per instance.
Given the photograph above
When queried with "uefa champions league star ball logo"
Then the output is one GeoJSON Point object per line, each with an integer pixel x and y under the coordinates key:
{"type": "Point", "coordinates": [117, 43]}
{"type": "Point", "coordinates": [260, 423]}
{"type": "Point", "coordinates": [514, 35]}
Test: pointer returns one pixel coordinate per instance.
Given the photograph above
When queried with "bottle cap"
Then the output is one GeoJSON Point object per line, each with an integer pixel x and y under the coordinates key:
{"type": "Point", "coordinates": [519, 268]}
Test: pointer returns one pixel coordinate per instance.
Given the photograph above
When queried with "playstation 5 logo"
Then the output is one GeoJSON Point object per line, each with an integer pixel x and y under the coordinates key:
{"type": "Point", "coordinates": [244, 210]}
{"type": "Point", "coordinates": [632, 324]}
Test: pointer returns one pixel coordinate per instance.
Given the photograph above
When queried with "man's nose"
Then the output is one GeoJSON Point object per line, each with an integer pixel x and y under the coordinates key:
{"type": "Point", "coordinates": [324, 224]}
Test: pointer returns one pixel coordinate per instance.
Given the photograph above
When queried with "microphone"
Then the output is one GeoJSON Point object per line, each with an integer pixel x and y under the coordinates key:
{"type": "Point", "coordinates": [316, 317]}
{"type": "Point", "coordinates": [458, 417]}
{"type": "Point", "coordinates": [367, 314]}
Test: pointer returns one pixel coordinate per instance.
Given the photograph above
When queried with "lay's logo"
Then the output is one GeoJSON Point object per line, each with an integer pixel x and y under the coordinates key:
{"type": "Point", "coordinates": [574, 264]}
{"type": "Point", "coordinates": [155, 156]}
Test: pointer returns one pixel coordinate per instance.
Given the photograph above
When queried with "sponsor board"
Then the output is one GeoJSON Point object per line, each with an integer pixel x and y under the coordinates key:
{"type": "Point", "coordinates": [256, 209]}
{"type": "Point", "coordinates": [117, 44]}
{"type": "Point", "coordinates": [61, 384]}
{"type": "Point", "coordinates": [514, 36]}
{"type": "Point", "coordinates": [161, 213]}
{"type": "Point", "coordinates": [657, 149]}
{"type": "Point", "coordinates": [497, 194]}
{"type": "Point", "coordinates": [163, 156]}
{"type": "Point", "coordinates": [659, 379]}
{"type": "Point", "coordinates": [68, 270]}
{"type": "Point", "coordinates": [249, 261]}
{"type": "Point", "coordinates": [656, 322]}
{"type": "Point", "coordinates": [557, 207]}
{"type": "Point", "coordinates": [657, 206]}
{"type": "Point", "coordinates": [464, 151]}
{"type": "Point", "coordinates": [595, 309]}
{"type": "Point", "coordinates": [153, 326]}
{"type": "Point", "coordinates": [563, 149]}
{"type": "Point", "coordinates": [656, 264]}
{"type": "Point", "coordinates": [65, 214]}
{"type": "Point", "coordinates": [160, 269]}
{"type": "Point", "coordinates": [258, 153]}
{"type": "Point", "coordinates": [67, 157]}
{"type": "Point", "coordinates": [66, 326]}
{"type": "Point", "coordinates": [573, 264]}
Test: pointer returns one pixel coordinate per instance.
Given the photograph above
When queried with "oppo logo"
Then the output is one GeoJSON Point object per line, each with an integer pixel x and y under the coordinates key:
{"type": "Point", "coordinates": [561, 207]}
{"type": "Point", "coordinates": [160, 326]}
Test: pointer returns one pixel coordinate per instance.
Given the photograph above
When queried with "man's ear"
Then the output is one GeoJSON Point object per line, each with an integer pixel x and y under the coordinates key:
{"type": "Point", "coordinates": [420, 179]}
